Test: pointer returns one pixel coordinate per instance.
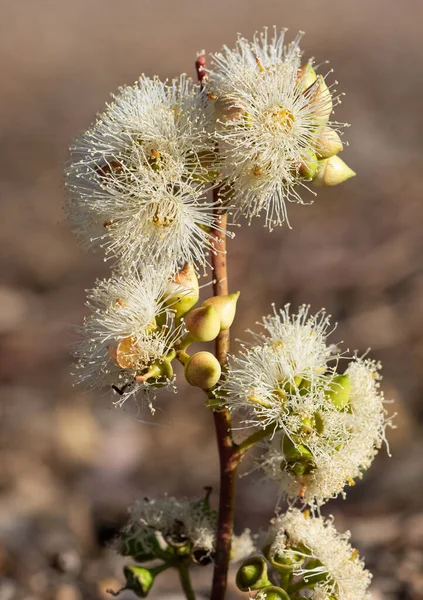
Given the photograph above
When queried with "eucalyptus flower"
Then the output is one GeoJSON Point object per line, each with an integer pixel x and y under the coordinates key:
{"type": "Point", "coordinates": [272, 124]}
{"type": "Point", "coordinates": [280, 378]}
{"type": "Point", "coordinates": [320, 558]}
{"type": "Point", "coordinates": [186, 527]}
{"type": "Point", "coordinates": [128, 337]}
{"type": "Point", "coordinates": [137, 178]}
{"type": "Point", "coordinates": [351, 435]}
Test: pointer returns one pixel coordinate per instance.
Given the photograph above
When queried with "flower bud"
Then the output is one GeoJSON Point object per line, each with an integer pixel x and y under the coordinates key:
{"type": "Point", "coordinates": [328, 144]}
{"type": "Point", "coordinates": [140, 579]}
{"type": "Point", "coordinates": [306, 76]}
{"type": "Point", "coordinates": [298, 457]}
{"type": "Point", "coordinates": [332, 171]}
{"type": "Point", "coordinates": [340, 391]}
{"type": "Point", "coordinates": [202, 370]}
{"type": "Point", "coordinates": [320, 101]}
{"type": "Point", "coordinates": [308, 166]}
{"type": "Point", "coordinates": [203, 323]}
{"type": "Point", "coordinates": [182, 292]}
{"type": "Point", "coordinates": [225, 307]}
{"type": "Point", "coordinates": [252, 575]}
{"type": "Point", "coordinates": [272, 593]}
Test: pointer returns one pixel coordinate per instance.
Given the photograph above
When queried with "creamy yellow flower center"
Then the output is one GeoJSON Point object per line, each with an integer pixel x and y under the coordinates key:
{"type": "Point", "coordinates": [279, 118]}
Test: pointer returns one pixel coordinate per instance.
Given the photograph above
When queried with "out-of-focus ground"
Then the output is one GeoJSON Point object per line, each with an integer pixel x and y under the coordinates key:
{"type": "Point", "coordinates": [69, 462]}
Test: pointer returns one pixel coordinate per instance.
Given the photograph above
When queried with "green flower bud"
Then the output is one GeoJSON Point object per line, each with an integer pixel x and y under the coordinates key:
{"type": "Point", "coordinates": [141, 579]}
{"type": "Point", "coordinates": [284, 564]}
{"type": "Point", "coordinates": [298, 457]}
{"type": "Point", "coordinates": [203, 323]}
{"type": "Point", "coordinates": [332, 171]}
{"type": "Point", "coordinates": [252, 575]}
{"type": "Point", "coordinates": [225, 307]}
{"type": "Point", "coordinates": [328, 144]}
{"type": "Point", "coordinates": [182, 293]}
{"type": "Point", "coordinates": [272, 593]}
{"type": "Point", "coordinates": [320, 101]}
{"type": "Point", "coordinates": [202, 370]}
{"type": "Point", "coordinates": [308, 166]}
{"type": "Point", "coordinates": [340, 391]}
{"type": "Point", "coordinates": [306, 76]}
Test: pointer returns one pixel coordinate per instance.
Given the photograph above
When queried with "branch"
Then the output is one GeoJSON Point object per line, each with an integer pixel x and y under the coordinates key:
{"type": "Point", "coordinates": [228, 452]}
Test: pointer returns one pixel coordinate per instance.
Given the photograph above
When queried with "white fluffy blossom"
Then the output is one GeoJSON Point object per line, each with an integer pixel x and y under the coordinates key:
{"type": "Point", "coordinates": [324, 558]}
{"type": "Point", "coordinates": [128, 335]}
{"type": "Point", "coordinates": [348, 444]}
{"type": "Point", "coordinates": [270, 114]}
{"type": "Point", "coordinates": [175, 522]}
{"type": "Point", "coordinates": [324, 428]}
{"type": "Point", "coordinates": [281, 377]}
{"type": "Point", "coordinates": [136, 179]}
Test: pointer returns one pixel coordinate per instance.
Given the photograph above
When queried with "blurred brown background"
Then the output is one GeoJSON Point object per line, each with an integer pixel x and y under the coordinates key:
{"type": "Point", "coordinates": [69, 462]}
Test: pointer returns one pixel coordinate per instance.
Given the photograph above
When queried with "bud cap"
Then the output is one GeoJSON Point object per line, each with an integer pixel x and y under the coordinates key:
{"type": "Point", "coordinates": [225, 307]}
{"type": "Point", "coordinates": [332, 171]}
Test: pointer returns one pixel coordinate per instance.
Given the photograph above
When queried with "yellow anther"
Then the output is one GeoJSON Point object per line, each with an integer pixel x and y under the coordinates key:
{"type": "Point", "coordinates": [351, 482]}
{"type": "Point", "coordinates": [306, 513]}
{"type": "Point", "coordinates": [257, 400]}
{"type": "Point", "coordinates": [257, 171]}
{"type": "Point", "coordinates": [260, 66]}
{"type": "Point", "coordinates": [211, 97]}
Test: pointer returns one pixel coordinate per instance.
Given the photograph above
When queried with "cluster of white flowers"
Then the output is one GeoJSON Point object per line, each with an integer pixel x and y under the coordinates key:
{"type": "Point", "coordinates": [257, 130]}
{"type": "Point", "coordinates": [128, 336]}
{"type": "Point", "coordinates": [139, 179]}
{"type": "Point", "coordinates": [326, 427]}
{"type": "Point", "coordinates": [321, 558]}
{"type": "Point", "coordinates": [136, 178]}
{"type": "Point", "coordinates": [273, 125]}
{"type": "Point", "coordinates": [169, 521]}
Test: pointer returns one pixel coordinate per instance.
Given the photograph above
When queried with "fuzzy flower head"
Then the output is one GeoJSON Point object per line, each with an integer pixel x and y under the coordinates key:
{"type": "Point", "coordinates": [273, 126]}
{"type": "Point", "coordinates": [136, 179]}
{"type": "Point", "coordinates": [184, 527]}
{"type": "Point", "coordinates": [352, 432]}
{"type": "Point", "coordinates": [280, 378]}
{"type": "Point", "coordinates": [325, 427]}
{"type": "Point", "coordinates": [319, 557]}
{"type": "Point", "coordinates": [128, 337]}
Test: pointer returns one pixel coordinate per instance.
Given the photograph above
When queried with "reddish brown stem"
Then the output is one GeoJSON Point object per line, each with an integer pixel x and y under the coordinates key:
{"type": "Point", "coordinates": [229, 456]}
{"type": "Point", "coordinates": [228, 452]}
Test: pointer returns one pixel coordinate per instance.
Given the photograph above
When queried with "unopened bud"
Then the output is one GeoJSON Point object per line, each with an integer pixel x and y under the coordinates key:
{"type": "Point", "coordinates": [328, 144]}
{"type": "Point", "coordinates": [226, 110]}
{"type": "Point", "coordinates": [298, 458]}
{"type": "Point", "coordinates": [225, 307]}
{"type": "Point", "coordinates": [182, 292]}
{"type": "Point", "coordinates": [203, 323]}
{"type": "Point", "coordinates": [252, 575]}
{"type": "Point", "coordinates": [340, 391]}
{"type": "Point", "coordinates": [306, 76]}
{"type": "Point", "coordinates": [272, 593]}
{"type": "Point", "coordinates": [320, 101]}
{"type": "Point", "coordinates": [308, 166]}
{"type": "Point", "coordinates": [332, 171]}
{"type": "Point", "coordinates": [202, 370]}
{"type": "Point", "coordinates": [140, 579]}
